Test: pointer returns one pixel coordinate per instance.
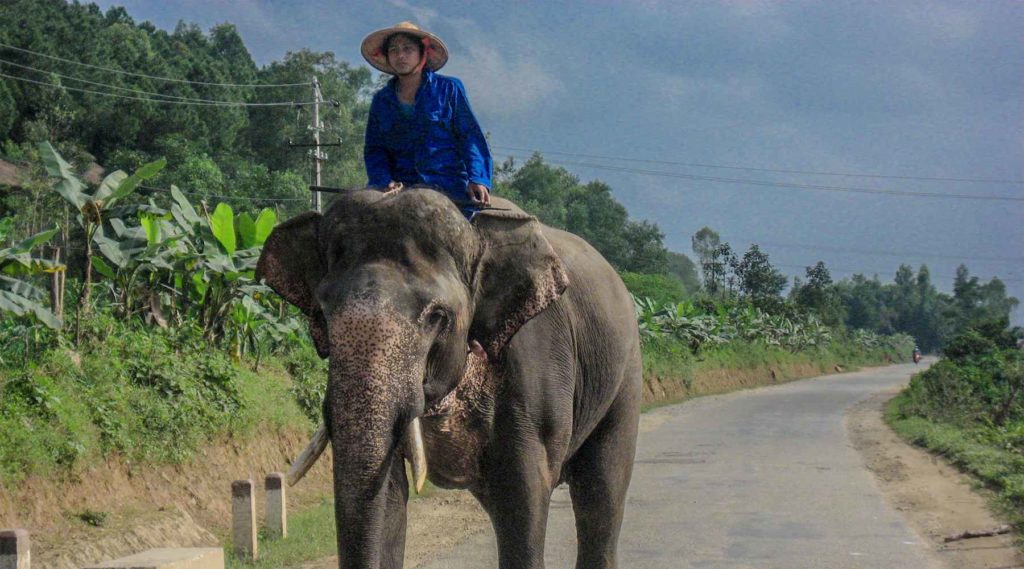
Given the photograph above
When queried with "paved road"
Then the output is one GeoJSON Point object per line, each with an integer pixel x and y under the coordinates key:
{"type": "Point", "coordinates": [754, 479]}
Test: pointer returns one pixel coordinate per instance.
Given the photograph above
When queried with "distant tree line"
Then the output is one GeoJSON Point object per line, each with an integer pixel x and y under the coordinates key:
{"type": "Point", "coordinates": [910, 304]}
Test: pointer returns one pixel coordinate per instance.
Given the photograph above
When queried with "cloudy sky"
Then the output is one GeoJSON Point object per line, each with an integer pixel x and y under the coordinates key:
{"type": "Point", "coordinates": [764, 92]}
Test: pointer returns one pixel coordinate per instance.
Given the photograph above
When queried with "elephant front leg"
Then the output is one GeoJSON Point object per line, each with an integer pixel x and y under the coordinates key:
{"type": "Point", "coordinates": [393, 543]}
{"type": "Point", "coordinates": [516, 496]}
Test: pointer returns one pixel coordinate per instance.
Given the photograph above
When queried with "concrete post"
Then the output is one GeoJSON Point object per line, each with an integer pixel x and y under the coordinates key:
{"type": "Point", "coordinates": [277, 506]}
{"type": "Point", "coordinates": [14, 549]}
{"type": "Point", "coordinates": [243, 519]}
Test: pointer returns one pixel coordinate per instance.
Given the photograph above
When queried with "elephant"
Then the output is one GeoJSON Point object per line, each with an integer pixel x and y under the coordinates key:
{"type": "Point", "coordinates": [496, 355]}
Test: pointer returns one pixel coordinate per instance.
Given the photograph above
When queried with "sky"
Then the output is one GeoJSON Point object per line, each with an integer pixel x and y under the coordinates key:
{"type": "Point", "coordinates": [734, 90]}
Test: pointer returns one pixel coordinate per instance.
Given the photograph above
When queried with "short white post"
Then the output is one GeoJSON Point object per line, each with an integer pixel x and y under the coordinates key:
{"type": "Point", "coordinates": [277, 506]}
{"type": "Point", "coordinates": [243, 519]}
{"type": "Point", "coordinates": [14, 549]}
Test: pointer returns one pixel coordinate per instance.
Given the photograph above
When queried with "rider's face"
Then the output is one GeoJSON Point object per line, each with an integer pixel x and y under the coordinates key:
{"type": "Point", "coordinates": [403, 55]}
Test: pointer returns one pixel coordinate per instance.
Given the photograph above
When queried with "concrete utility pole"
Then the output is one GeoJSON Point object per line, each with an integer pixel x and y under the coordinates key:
{"type": "Point", "coordinates": [316, 127]}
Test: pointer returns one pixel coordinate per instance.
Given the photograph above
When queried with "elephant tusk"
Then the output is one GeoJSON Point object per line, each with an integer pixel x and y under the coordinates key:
{"type": "Point", "coordinates": [416, 454]}
{"type": "Point", "coordinates": [308, 457]}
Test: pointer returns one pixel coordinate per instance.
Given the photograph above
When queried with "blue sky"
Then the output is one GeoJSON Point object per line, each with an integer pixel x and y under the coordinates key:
{"type": "Point", "coordinates": [921, 89]}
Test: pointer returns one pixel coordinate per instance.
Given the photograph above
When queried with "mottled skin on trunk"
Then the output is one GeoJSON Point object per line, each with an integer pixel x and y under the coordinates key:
{"type": "Point", "coordinates": [374, 377]}
{"type": "Point", "coordinates": [395, 289]}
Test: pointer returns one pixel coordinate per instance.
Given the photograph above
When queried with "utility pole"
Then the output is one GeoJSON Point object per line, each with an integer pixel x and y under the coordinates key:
{"type": "Point", "coordinates": [316, 127]}
{"type": "Point", "coordinates": [318, 156]}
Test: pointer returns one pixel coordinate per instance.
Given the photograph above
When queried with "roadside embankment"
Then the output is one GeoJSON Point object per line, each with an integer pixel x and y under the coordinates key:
{"type": "Point", "coordinates": [672, 373]}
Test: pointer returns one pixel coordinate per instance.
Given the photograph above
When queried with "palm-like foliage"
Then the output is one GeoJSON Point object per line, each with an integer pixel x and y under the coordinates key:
{"type": "Point", "coordinates": [18, 295]}
{"type": "Point", "coordinates": [688, 323]}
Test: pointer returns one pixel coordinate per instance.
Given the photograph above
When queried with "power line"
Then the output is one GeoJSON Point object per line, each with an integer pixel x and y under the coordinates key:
{"type": "Point", "coordinates": [813, 187]}
{"type": "Point", "coordinates": [776, 170]}
{"type": "Point", "coordinates": [204, 196]}
{"type": "Point", "coordinates": [887, 253]}
{"type": "Point", "coordinates": [119, 88]}
{"type": "Point", "coordinates": [151, 100]}
{"type": "Point", "coordinates": [171, 79]}
{"type": "Point", "coordinates": [866, 272]}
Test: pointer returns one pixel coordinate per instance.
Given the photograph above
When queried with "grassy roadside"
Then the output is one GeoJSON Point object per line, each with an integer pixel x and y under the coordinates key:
{"type": "Point", "coordinates": [315, 526]}
{"type": "Point", "coordinates": [971, 450]}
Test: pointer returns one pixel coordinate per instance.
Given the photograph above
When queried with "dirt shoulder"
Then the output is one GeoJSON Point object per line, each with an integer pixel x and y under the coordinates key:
{"type": "Point", "coordinates": [936, 499]}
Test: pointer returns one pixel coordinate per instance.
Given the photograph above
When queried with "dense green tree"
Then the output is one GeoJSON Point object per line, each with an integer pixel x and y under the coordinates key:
{"type": "Point", "coordinates": [819, 295]}
{"type": "Point", "coordinates": [758, 280]}
{"type": "Point", "coordinates": [645, 251]}
{"type": "Point", "coordinates": [558, 199]}
{"type": "Point", "coordinates": [8, 110]}
{"type": "Point", "coordinates": [592, 213]}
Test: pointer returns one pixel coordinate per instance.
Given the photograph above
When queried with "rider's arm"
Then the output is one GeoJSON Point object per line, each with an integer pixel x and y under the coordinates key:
{"type": "Point", "coordinates": [473, 146]}
{"type": "Point", "coordinates": [375, 153]}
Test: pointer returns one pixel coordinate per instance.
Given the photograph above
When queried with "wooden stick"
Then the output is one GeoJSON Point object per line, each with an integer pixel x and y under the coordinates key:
{"type": "Point", "coordinates": [977, 533]}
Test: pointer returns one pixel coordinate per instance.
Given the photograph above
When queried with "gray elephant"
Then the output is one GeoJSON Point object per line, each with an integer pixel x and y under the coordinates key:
{"type": "Point", "coordinates": [396, 288]}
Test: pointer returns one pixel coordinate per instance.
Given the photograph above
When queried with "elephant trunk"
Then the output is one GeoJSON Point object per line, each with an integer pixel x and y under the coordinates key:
{"type": "Point", "coordinates": [374, 393]}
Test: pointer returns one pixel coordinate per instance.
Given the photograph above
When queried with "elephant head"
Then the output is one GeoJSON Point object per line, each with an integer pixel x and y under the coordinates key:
{"type": "Point", "coordinates": [394, 288]}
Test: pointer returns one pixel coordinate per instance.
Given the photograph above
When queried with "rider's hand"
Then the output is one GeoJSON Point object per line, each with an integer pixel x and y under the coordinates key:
{"type": "Point", "coordinates": [393, 187]}
{"type": "Point", "coordinates": [478, 193]}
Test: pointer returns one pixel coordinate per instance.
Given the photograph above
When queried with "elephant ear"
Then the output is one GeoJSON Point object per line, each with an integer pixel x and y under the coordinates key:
{"type": "Point", "coordinates": [292, 264]}
{"type": "Point", "coordinates": [517, 277]}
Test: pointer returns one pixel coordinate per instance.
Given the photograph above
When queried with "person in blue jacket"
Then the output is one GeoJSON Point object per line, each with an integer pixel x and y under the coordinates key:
{"type": "Point", "coordinates": [421, 130]}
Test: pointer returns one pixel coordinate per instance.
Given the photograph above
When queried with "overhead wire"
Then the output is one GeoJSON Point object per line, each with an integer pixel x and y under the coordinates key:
{"type": "Point", "coordinates": [154, 77]}
{"type": "Point", "coordinates": [119, 88]}
{"type": "Point", "coordinates": [885, 253]}
{"type": "Point", "coordinates": [875, 272]}
{"type": "Point", "coordinates": [162, 101]}
{"type": "Point", "coordinates": [755, 169]}
{"type": "Point", "coordinates": [811, 187]}
{"type": "Point", "coordinates": [220, 197]}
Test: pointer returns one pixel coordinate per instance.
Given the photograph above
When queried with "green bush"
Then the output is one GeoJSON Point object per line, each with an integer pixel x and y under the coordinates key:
{"type": "Point", "coordinates": [660, 288]}
{"type": "Point", "coordinates": [981, 389]}
{"type": "Point", "coordinates": [309, 379]}
{"type": "Point", "coordinates": [967, 345]}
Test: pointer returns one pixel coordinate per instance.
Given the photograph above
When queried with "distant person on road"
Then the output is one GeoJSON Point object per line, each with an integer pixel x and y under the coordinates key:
{"type": "Point", "coordinates": [421, 130]}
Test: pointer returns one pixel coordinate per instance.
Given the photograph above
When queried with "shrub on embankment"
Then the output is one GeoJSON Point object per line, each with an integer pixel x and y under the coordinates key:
{"type": "Point", "coordinates": [144, 394]}
{"type": "Point", "coordinates": [969, 407]}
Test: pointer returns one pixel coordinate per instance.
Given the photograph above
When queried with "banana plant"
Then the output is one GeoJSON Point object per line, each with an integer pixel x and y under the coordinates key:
{"type": "Point", "coordinates": [222, 251]}
{"type": "Point", "coordinates": [138, 262]}
{"type": "Point", "coordinates": [93, 207]}
{"type": "Point", "coordinates": [18, 296]}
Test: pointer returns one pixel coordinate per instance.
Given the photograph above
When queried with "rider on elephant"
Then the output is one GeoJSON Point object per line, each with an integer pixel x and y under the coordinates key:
{"type": "Point", "coordinates": [421, 130]}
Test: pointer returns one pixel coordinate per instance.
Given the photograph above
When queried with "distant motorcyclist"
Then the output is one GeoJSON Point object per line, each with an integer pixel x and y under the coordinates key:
{"type": "Point", "coordinates": [916, 355]}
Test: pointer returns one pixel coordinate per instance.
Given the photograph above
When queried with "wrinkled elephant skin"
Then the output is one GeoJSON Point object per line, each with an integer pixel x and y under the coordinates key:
{"type": "Point", "coordinates": [514, 344]}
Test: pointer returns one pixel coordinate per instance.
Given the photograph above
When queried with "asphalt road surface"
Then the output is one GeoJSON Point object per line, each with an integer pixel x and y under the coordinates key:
{"type": "Point", "coordinates": [765, 478]}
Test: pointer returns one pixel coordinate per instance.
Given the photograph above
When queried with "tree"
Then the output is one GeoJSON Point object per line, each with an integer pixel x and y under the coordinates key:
{"type": "Point", "coordinates": [645, 251]}
{"type": "Point", "coordinates": [819, 295]}
{"type": "Point", "coordinates": [720, 260]}
{"type": "Point", "coordinates": [8, 111]}
{"type": "Point", "coordinates": [682, 268]}
{"type": "Point", "coordinates": [704, 243]}
{"type": "Point", "coordinates": [759, 281]}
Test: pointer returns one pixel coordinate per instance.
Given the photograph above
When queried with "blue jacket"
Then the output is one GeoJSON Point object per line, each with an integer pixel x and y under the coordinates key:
{"type": "Point", "coordinates": [441, 144]}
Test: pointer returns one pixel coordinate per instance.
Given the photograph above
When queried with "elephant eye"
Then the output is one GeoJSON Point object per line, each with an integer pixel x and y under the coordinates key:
{"type": "Point", "coordinates": [438, 318]}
